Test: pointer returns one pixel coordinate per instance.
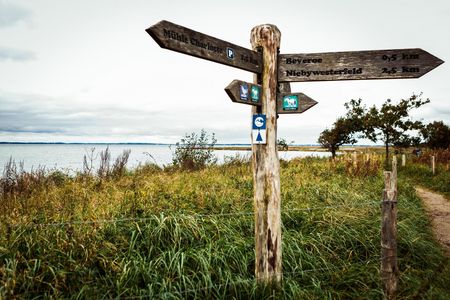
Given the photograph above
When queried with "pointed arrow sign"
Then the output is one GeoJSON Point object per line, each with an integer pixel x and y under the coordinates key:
{"type": "Point", "coordinates": [377, 64]}
{"type": "Point", "coordinates": [294, 103]}
{"type": "Point", "coordinates": [244, 92]}
{"type": "Point", "coordinates": [287, 103]}
{"type": "Point", "coordinates": [184, 40]}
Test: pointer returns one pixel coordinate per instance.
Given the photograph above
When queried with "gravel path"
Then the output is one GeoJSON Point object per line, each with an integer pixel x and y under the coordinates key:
{"type": "Point", "coordinates": [438, 209]}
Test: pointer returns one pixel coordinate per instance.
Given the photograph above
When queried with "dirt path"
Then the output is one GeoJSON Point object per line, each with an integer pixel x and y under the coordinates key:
{"type": "Point", "coordinates": [438, 209]}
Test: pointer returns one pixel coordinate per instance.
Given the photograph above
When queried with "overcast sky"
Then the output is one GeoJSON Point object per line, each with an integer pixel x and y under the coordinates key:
{"type": "Point", "coordinates": [86, 71]}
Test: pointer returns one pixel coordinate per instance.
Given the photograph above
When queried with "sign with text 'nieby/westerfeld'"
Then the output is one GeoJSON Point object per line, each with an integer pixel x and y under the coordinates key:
{"type": "Point", "coordinates": [354, 65]}
{"type": "Point", "coordinates": [181, 39]}
{"type": "Point", "coordinates": [259, 129]}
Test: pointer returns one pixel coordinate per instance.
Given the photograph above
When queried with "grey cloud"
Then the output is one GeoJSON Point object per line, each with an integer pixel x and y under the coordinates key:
{"type": "Point", "coordinates": [40, 114]}
{"type": "Point", "coordinates": [29, 130]}
{"type": "Point", "coordinates": [36, 114]}
{"type": "Point", "coordinates": [15, 54]}
{"type": "Point", "coordinates": [11, 14]}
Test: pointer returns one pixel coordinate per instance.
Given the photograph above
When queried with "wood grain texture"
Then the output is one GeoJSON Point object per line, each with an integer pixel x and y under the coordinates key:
{"type": "Point", "coordinates": [266, 167]}
{"type": "Point", "coordinates": [389, 266]}
{"type": "Point", "coordinates": [356, 65]}
{"type": "Point", "coordinates": [184, 40]}
{"type": "Point", "coordinates": [284, 88]}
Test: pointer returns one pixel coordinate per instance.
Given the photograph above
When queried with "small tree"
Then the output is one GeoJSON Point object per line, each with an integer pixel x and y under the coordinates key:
{"type": "Point", "coordinates": [195, 151]}
{"type": "Point", "coordinates": [282, 144]}
{"type": "Point", "coordinates": [404, 142]}
{"type": "Point", "coordinates": [390, 123]}
{"type": "Point", "coordinates": [341, 133]}
{"type": "Point", "coordinates": [436, 135]}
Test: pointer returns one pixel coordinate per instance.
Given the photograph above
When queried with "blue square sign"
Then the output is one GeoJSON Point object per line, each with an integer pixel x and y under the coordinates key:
{"type": "Point", "coordinates": [259, 122]}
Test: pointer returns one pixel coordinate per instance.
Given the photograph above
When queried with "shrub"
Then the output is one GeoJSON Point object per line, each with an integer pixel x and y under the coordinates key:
{"type": "Point", "coordinates": [16, 181]}
{"type": "Point", "coordinates": [195, 151]}
{"type": "Point", "coordinates": [441, 156]}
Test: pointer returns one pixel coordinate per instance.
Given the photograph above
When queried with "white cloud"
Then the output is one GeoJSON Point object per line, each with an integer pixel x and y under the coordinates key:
{"type": "Point", "coordinates": [15, 54]}
{"type": "Point", "coordinates": [11, 14]}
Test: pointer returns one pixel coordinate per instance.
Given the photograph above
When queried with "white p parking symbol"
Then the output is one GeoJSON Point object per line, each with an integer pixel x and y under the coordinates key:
{"type": "Point", "coordinates": [230, 53]}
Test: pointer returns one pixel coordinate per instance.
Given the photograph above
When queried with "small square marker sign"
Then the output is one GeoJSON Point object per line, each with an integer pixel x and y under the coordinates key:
{"type": "Point", "coordinates": [230, 53]}
{"type": "Point", "coordinates": [290, 102]}
{"type": "Point", "coordinates": [255, 93]}
{"type": "Point", "coordinates": [259, 129]}
{"type": "Point", "coordinates": [243, 91]}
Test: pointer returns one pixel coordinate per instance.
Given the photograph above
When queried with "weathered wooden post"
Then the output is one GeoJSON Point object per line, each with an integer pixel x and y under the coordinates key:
{"type": "Point", "coordinates": [266, 166]}
{"type": "Point", "coordinates": [403, 160]}
{"type": "Point", "coordinates": [433, 165]}
{"type": "Point", "coordinates": [355, 160]}
{"type": "Point", "coordinates": [389, 267]}
{"type": "Point", "coordinates": [394, 173]}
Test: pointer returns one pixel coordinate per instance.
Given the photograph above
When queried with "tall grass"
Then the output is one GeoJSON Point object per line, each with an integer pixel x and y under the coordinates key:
{"type": "Point", "coordinates": [171, 234]}
{"type": "Point", "coordinates": [418, 170]}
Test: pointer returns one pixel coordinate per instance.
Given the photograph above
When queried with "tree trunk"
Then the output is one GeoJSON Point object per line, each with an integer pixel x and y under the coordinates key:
{"type": "Point", "coordinates": [387, 151]}
{"type": "Point", "coordinates": [386, 145]}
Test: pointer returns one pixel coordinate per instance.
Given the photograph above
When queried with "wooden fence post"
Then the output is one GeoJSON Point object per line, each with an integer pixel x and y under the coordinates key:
{"type": "Point", "coordinates": [394, 174]}
{"type": "Point", "coordinates": [403, 160]}
{"type": "Point", "coordinates": [266, 166]}
{"type": "Point", "coordinates": [355, 159]}
{"type": "Point", "coordinates": [389, 267]}
{"type": "Point", "coordinates": [433, 165]}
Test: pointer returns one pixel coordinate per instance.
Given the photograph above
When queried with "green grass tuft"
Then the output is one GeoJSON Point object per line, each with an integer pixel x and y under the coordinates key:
{"type": "Point", "coordinates": [166, 234]}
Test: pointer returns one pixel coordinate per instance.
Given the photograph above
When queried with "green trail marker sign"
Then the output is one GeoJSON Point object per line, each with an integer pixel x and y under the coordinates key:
{"type": "Point", "coordinates": [354, 65]}
{"type": "Point", "coordinates": [289, 103]}
{"type": "Point", "coordinates": [181, 39]}
{"type": "Point", "coordinates": [294, 103]}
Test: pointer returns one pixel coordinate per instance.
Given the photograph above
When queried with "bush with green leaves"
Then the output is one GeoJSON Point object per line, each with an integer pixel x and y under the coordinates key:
{"type": "Point", "coordinates": [195, 151]}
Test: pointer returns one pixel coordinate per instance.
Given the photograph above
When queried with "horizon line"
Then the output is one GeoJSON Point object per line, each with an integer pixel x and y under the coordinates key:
{"type": "Point", "coordinates": [158, 144]}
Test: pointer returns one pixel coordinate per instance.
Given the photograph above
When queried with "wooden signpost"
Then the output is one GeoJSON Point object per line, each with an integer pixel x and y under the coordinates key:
{"type": "Point", "coordinates": [271, 95]}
